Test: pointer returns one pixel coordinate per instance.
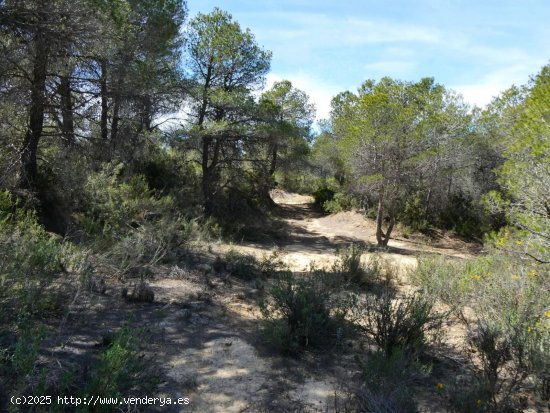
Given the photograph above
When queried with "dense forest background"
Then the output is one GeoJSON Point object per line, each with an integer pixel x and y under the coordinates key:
{"type": "Point", "coordinates": [128, 128]}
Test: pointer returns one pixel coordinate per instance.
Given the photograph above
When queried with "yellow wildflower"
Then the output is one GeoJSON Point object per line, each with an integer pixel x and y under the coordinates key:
{"type": "Point", "coordinates": [478, 401]}
{"type": "Point", "coordinates": [519, 242]}
{"type": "Point", "coordinates": [440, 386]}
{"type": "Point", "coordinates": [515, 277]}
{"type": "Point", "coordinates": [547, 314]}
{"type": "Point", "coordinates": [529, 329]}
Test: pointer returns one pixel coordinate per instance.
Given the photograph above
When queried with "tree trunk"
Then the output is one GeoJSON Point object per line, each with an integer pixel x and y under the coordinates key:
{"type": "Point", "coordinates": [115, 121]}
{"type": "Point", "coordinates": [104, 101]}
{"type": "Point", "coordinates": [147, 115]}
{"type": "Point", "coordinates": [206, 142]}
{"type": "Point", "coordinates": [67, 123]}
{"type": "Point", "coordinates": [383, 238]}
{"type": "Point", "coordinates": [117, 101]}
{"type": "Point", "coordinates": [389, 230]}
{"type": "Point", "coordinates": [206, 179]}
{"type": "Point", "coordinates": [273, 164]}
{"type": "Point", "coordinates": [29, 170]}
{"type": "Point", "coordinates": [379, 221]}
{"type": "Point", "coordinates": [428, 200]}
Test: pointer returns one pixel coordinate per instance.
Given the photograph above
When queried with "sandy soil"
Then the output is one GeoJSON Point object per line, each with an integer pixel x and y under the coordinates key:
{"type": "Point", "coordinates": [202, 331]}
{"type": "Point", "coordinates": [310, 237]}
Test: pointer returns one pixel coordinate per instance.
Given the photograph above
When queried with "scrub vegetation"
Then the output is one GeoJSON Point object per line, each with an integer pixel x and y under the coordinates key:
{"type": "Point", "coordinates": [160, 208]}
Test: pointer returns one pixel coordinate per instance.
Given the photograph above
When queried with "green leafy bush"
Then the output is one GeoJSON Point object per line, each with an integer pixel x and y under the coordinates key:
{"type": "Point", "coordinates": [338, 203]}
{"type": "Point", "coordinates": [464, 216]}
{"type": "Point", "coordinates": [32, 262]}
{"type": "Point", "coordinates": [242, 265]}
{"type": "Point", "coordinates": [130, 226]}
{"type": "Point", "coordinates": [388, 382]}
{"type": "Point", "coordinates": [399, 323]}
{"type": "Point", "coordinates": [503, 355]}
{"type": "Point", "coordinates": [349, 264]}
{"type": "Point", "coordinates": [413, 214]}
{"type": "Point", "coordinates": [121, 369]}
{"type": "Point", "coordinates": [322, 195]}
{"type": "Point", "coordinates": [115, 206]}
{"type": "Point", "coordinates": [439, 278]}
{"type": "Point", "coordinates": [374, 271]}
{"type": "Point", "coordinates": [511, 330]}
{"type": "Point", "coordinates": [303, 312]}
{"type": "Point", "coordinates": [30, 259]}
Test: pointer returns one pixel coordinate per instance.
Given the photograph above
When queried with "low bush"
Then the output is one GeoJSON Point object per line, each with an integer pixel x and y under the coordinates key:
{"type": "Point", "coordinates": [33, 268]}
{"type": "Point", "coordinates": [388, 383]}
{"type": "Point", "coordinates": [121, 370]}
{"type": "Point", "coordinates": [115, 205]}
{"type": "Point", "coordinates": [374, 271]}
{"type": "Point", "coordinates": [413, 214]}
{"type": "Point", "coordinates": [141, 248]}
{"type": "Point", "coordinates": [299, 182]}
{"type": "Point", "coordinates": [399, 324]}
{"type": "Point", "coordinates": [272, 264]}
{"type": "Point", "coordinates": [510, 329]}
{"type": "Point", "coordinates": [503, 355]}
{"type": "Point", "coordinates": [465, 216]}
{"type": "Point", "coordinates": [31, 259]}
{"type": "Point", "coordinates": [242, 265]}
{"type": "Point", "coordinates": [349, 264]}
{"type": "Point", "coordinates": [322, 195]}
{"type": "Point", "coordinates": [302, 312]}
{"type": "Point", "coordinates": [440, 278]}
{"type": "Point", "coordinates": [338, 203]}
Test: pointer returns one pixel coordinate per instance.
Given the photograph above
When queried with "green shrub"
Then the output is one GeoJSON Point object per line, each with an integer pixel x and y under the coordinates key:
{"type": "Point", "coordinates": [132, 227]}
{"type": "Point", "coordinates": [441, 279]}
{"type": "Point", "coordinates": [115, 206]}
{"type": "Point", "coordinates": [503, 353]}
{"type": "Point", "coordinates": [414, 214]}
{"type": "Point", "coordinates": [322, 195]}
{"type": "Point", "coordinates": [195, 229]}
{"type": "Point", "coordinates": [303, 312]}
{"type": "Point", "coordinates": [375, 271]}
{"type": "Point", "coordinates": [299, 181]}
{"type": "Point", "coordinates": [512, 334]}
{"type": "Point", "coordinates": [143, 247]}
{"type": "Point", "coordinates": [399, 324]}
{"type": "Point", "coordinates": [464, 216]}
{"type": "Point", "coordinates": [272, 264]}
{"type": "Point", "coordinates": [30, 260]}
{"type": "Point", "coordinates": [25, 353]}
{"type": "Point", "coordinates": [388, 383]}
{"type": "Point", "coordinates": [349, 264]}
{"type": "Point", "coordinates": [121, 369]}
{"type": "Point", "coordinates": [243, 266]}
{"type": "Point", "coordinates": [339, 202]}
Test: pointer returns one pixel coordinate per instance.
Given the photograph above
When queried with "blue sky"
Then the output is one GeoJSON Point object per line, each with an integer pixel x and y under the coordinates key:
{"type": "Point", "coordinates": [477, 48]}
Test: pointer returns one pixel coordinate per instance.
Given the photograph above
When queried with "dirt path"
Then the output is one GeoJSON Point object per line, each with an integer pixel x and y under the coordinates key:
{"type": "Point", "coordinates": [202, 332]}
{"type": "Point", "coordinates": [310, 237]}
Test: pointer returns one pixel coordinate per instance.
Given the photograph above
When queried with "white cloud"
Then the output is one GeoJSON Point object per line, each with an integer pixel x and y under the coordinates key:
{"type": "Point", "coordinates": [321, 30]}
{"type": "Point", "coordinates": [319, 91]}
{"type": "Point", "coordinates": [481, 93]}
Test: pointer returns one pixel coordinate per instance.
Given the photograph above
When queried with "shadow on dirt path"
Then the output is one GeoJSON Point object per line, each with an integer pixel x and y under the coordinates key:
{"type": "Point", "coordinates": [303, 236]}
